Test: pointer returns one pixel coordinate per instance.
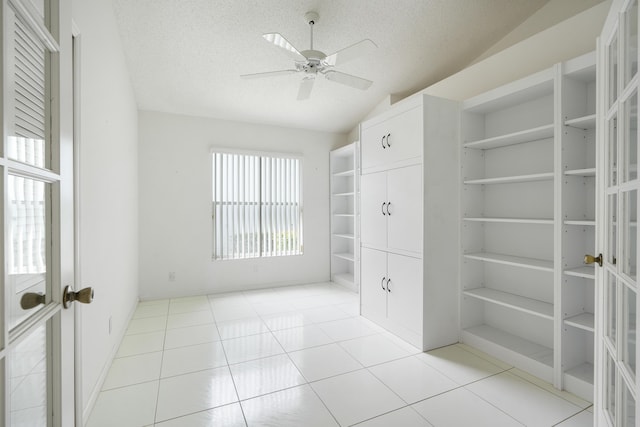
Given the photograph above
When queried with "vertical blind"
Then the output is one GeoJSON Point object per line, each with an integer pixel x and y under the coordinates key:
{"type": "Point", "coordinates": [257, 210]}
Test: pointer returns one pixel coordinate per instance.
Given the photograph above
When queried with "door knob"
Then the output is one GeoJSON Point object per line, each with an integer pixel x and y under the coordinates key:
{"type": "Point", "coordinates": [31, 300]}
{"type": "Point", "coordinates": [84, 296]}
{"type": "Point", "coordinates": [590, 259]}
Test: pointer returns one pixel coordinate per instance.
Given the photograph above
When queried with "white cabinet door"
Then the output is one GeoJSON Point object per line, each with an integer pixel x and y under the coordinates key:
{"type": "Point", "coordinates": [404, 139]}
{"type": "Point", "coordinates": [404, 219]}
{"type": "Point", "coordinates": [398, 138]}
{"type": "Point", "coordinates": [374, 147]}
{"type": "Point", "coordinates": [404, 300]}
{"type": "Point", "coordinates": [373, 282]}
{"type": "Point", "coordinates": [373, 215]}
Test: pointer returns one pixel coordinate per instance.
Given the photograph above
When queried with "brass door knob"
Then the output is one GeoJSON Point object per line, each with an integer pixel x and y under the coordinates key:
{"type": "Point", "coordinates": [31, 300]}
{"type": "Point", "coordinates": [590, 259]}
{"type": "Point", "coordinates": [84, 296]}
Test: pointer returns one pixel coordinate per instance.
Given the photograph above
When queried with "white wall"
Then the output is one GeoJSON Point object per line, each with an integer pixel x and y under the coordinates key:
{"type": "Point", "coordinates": [552, 13]}
{"type": "Point", "coordinates": [567, 39]}
{"type": "Point", "coordinates": [175, 205]}
{"type": "Point", "coordinates": [108, 190]}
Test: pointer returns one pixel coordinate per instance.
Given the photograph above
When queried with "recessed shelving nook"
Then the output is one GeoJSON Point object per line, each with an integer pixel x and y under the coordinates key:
{"type": "Point", "coordinates": [528, 218]}
{"type": "Point", "coordinates": [344, 215]}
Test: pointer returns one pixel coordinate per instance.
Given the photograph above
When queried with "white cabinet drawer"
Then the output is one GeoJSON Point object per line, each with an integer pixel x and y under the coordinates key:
{"type": "Point", "coordinates": [398, 138]}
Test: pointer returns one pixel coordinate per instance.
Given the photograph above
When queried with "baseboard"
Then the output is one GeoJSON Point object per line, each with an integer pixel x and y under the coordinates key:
{"type": "Point", "coordinates": [93, 397]}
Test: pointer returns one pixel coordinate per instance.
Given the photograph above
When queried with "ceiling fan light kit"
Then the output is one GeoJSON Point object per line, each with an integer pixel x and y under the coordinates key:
{"type": "Point", "coordinates": [311, 61]}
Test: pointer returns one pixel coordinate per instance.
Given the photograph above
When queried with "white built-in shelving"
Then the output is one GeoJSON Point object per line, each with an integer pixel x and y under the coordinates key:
{"type": "Point", "coordinates": [344, 215]}
{"type": "Point", "coordinates": [528, 209]}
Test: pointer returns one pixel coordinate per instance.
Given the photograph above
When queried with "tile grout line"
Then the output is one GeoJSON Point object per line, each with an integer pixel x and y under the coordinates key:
{"type": "Point", "coordinates": [574, 415]}
{"type": "Point", "coordinates": [155, 412]}
{"type": "Point", "coordinates": [308, 383]}
{"type": "Point", "coordinates": [233, 381]}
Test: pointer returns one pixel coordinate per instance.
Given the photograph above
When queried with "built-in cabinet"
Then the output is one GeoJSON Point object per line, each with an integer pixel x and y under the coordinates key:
{"type": "Point", "coordinates": [528, 219]}
{"type": "Point", "coordinates": [344, 215]}
{"type": "Point", "coordinates": [408, 233]}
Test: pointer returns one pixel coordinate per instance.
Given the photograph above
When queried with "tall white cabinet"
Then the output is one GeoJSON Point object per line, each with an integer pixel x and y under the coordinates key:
{"type": "Point", "coordinates": [528, 219]}
{"type": "Point", "coordinates": [409, 192]}
{"type": "Point", "coordinates": [343, 163]}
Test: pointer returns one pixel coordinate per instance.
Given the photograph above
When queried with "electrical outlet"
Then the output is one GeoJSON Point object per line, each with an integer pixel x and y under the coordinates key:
{"type": "Point", "coordinates": [172, 276]}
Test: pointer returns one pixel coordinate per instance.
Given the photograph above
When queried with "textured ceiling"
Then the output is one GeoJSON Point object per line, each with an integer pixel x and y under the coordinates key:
{"type": "Point", "coordinates": [186, 56]}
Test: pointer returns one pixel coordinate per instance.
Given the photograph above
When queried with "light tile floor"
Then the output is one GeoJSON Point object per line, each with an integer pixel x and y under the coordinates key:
{"type": "Point", "coordinates": [301, 356]}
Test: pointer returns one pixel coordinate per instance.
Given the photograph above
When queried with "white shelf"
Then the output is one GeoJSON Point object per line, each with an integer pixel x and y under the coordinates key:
{"type": "Point", "coordinates": [582, 372]}
{"type": "Point", "coordinates": [586, 272]}
{"type": "Point", "coordinates": [590, 222]}
{"type": "Point", "coordinates": [586, 122]}
{"type": "Point", "coordinates": [343, 207]}
{"type": "Point", "coordinates": [350, 172]}
{"type": "Point", "coordinates": [512, 179]}
{"type": "Point", "coordinates": [581, 172]}
{"type": "Point", "coordinates": [344, 279]}
{"type": "Point", "coordinates": [535, 134]}
{"type": "Point", "coordinates": [511, 220]}
{"type": "Point", "coordinates": [582, 321]}
{"type": "Point", "coordinates": [532, 263]}
{"type": "Point", "coordinates": [516, 302]}
{"type": "Point", "coordinates": [512, 343]}
{"type": "Point", "coordinates": [345, 255]}
{"type": "Point", "coordinates": [344, 236]}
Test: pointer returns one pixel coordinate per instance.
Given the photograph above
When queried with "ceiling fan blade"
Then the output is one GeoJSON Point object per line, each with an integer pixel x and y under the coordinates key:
{"type": "Point", "coordinates": [268, 74]}
{"type": "Point", "coordinates": [281, 42]}
{"type": "Point", "coordinates": [352, 52]}
{"type": "Point", "coordinates": [348, 79]}
{"type": "Point", "coordinates": [305, 88]}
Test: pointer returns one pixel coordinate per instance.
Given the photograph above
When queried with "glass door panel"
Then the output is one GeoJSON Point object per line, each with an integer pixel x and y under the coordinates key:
{"type": "Point", "coordinates": [629, 233]}
{"type": "Point", "coordinates": [612, 225]}
{"type": "Point", "coordinates": [629, 329]}
{"type": "Point", "coordinates": [29, 384]}
{"type": "Point", "coordinates": [612, 152]}
{"type": "Point", "coordinates": [611, 320]}
{"type": "Point", "coordinates": [631, 42]}
{"type": "Point", "coordinates": [610, 389]}
{"type": "Point", "coordinates": [630, 140]}
{"type": "Point", "coordinates": [612, 57]}
{"type": "Point", "coordinates": [27, 250]}
{"type": "Point", "coordinates": [629, 409]}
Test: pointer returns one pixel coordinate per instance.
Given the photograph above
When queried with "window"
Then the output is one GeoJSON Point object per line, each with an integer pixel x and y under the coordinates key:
{"type": "Point", "coordinates": [257, 209]}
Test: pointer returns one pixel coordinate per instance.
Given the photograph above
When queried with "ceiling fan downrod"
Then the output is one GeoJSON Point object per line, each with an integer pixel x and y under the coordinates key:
{"type": "Point", "coordinates": [311, 18]}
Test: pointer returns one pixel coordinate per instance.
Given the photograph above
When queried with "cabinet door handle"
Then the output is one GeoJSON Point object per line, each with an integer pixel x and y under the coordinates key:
{"type": "Point", "coordinates": [388, 283]}
{"type": "Point", "coordinates": [382, 208]}
{"type": "Point", "coordinates": [382, 283]}
{"type": "Point", "coordinates": [383, 138]}
{"type": "Point", "coordinates": [388, 139]}
{"type": "Point", "coordinates": [388, 205]}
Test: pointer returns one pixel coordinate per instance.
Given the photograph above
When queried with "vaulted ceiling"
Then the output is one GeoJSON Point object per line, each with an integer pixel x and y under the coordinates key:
{"type": "Point", "coordinates": [186, 56]}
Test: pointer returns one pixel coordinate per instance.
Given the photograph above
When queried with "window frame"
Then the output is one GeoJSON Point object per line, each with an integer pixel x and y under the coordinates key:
{"type": "Point", "coordinates": [260, 154]}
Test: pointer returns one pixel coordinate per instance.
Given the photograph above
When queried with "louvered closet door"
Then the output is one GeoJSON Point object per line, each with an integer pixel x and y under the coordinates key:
{"type": "Point", "coordinates": [36, 164]}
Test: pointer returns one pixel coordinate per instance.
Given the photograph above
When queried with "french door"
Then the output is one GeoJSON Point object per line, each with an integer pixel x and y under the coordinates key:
{"type": "Point", "coordinates": [36, 186]}
{"type": "Point", "coordinates": [618, 187]}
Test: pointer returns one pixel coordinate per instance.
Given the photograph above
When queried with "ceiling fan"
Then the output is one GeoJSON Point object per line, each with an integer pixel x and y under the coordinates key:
{"type": "Point", "coordinates": [311, 62]}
